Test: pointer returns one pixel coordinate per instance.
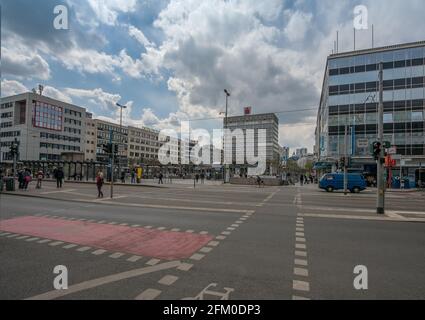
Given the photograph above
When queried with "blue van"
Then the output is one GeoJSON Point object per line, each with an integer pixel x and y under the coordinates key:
{"type": "Point", "coordinates": [335, 181]}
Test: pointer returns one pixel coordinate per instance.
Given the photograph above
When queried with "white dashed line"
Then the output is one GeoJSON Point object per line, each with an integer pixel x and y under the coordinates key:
{"type": "Point", "coordinates": [149, 294]}
{"type": "Point", "coordinates": [197, 256]}
{"type": "Point", "coordinates": [70, 246]}
{"type": "Point", "coordinates": [116, 255]}
{"type": "Point", "coordinates": [98, 252]}
{"type": "Point", "coordinates": [168, 280]}
{"type": "Point", "coordinates": [185, 267]}
{"type": "Point", "coordinates": [300, 285]}
{"type": "Point", "coordinates": [134, 258]}
{"type": "Point", "coordinates": [83, 249]}
{"type": "Point", "coordinates": [153, 262]}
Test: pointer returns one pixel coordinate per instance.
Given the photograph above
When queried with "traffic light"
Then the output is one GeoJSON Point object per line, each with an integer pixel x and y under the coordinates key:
{"type": "Point", "coordinates": [116, 149]}
{"type": "Point", "coordinates": [377, 150]}
{"type": "Point", "coordinates": [14, 148]}
{"type": "Point", "coordinates": [107, 148]}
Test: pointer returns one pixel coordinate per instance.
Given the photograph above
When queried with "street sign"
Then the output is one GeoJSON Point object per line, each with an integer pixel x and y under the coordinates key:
{"type": "Point", "coordinates": [362, 143]}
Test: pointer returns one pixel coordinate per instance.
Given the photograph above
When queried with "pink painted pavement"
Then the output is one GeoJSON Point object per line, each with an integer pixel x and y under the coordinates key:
{"type": "Point", "coordinates": [166, 245]}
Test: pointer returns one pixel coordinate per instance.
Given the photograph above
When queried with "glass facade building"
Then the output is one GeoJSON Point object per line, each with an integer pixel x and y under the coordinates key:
{"type": "Point", "coordinates": [350, 97]}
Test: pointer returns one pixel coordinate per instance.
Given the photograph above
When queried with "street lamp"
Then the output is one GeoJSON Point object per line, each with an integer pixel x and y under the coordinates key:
{"type": "Point", "coordinates": [224, 132]}
{"type": "Point", "coordinates": [119, 161]}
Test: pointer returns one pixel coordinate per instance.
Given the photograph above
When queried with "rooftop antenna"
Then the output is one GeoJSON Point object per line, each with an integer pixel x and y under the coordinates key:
{"type": "Point", "coordinates": [354, 39]}
{"type": "Point", "coordinates": [337, 42]}
{"type": "Point", "coordinates": [372, 37]}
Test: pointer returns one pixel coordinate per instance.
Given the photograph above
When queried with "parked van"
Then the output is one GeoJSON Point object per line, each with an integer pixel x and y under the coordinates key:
{"type": "Point", "coordinates": [335, 181]}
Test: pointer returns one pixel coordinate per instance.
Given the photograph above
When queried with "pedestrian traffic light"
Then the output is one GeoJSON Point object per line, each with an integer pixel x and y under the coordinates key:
{"type": "Point", "coordinates": [377, 150]}
{"type": "Point", "coordinates": [116, 149]}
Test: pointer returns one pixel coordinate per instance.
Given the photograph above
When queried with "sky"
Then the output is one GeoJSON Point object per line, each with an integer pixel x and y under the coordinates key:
{"type": "Point", "coordinates": [170, 60]}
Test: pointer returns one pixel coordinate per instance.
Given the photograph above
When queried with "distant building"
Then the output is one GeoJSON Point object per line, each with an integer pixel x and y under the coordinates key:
{"type": "Point", "coordinates": [44, 127]}
{"type": "Point", "coordinates": [269, 122]}
{"type": "Point", "coordinates": [143, 146]}
{"type": "Point", "coordinates": [302, 152]}
{"type": "Point", "coordinates": [119, 137]}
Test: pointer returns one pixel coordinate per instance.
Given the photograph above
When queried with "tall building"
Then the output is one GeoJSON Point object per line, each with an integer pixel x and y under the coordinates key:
{"type": "Point", "coordinates": [267, 121]}
{"type": "Point", "coordinates": [350, 98]}
{"type": "Point", "coordinates": [45, 128]}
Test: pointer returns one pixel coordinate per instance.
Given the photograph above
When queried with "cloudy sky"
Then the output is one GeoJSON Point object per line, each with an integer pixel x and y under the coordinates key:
{"type": "Point", "coordinates": [169, 60]}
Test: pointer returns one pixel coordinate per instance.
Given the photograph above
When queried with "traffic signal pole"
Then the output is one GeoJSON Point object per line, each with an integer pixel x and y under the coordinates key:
{"type": "Point", "coordinates": [380, 201]}
{"type": "Point", "coordinates": [345, 161]}
{"type": "Point", "coordinates": [111, 155]}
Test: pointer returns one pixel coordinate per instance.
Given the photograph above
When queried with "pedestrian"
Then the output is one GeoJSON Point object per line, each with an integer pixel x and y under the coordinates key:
{"type": "Point", "coordinates": [302, 179]}
{"type": "Point", "coordinates": [99, 183]}
{"type": "Point", "coordinates": [260, 181]}
{"type": "Point", "coordinates": [133, 177]}
{"type": "Point", "coordinates": [27, 179]}
{"type": "Point", "coordinates": [123, 177]}
{"type": "Point", "coordinates": [40, 176]}
{"type": "Point", "coordinates": [197, 177]}
{"type": "Point", "coordinates": [21, 179]}
{"type": "Point", "coordinates": [202, 177]}
{"type": "Point", "coordinates": [59, 175]}
{"type": "Point", "coordinates": [160, 177]}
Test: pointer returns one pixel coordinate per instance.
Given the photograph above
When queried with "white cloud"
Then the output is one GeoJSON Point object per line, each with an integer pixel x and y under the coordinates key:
{"type": "Point", "coordinates": [107, 11]}
{"type": "Point", "coordinates": [107, 101]}
{"type": "Point", "coordinates": [12, 87]}
{"type": "Point", "coordinates": [139, 36]}
{"type": "Point", "coordinates": [298, 25]}
{"type": "Point", "coordinates": [56, 94]}
{"type": "Point", "coordinates": [20, 62]}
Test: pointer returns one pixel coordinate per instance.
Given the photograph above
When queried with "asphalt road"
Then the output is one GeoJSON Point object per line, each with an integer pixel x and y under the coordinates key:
{"type": "Point", "coordinates": [210, 242]}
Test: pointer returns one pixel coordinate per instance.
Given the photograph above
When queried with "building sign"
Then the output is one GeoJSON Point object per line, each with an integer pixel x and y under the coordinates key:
{"type": "Point", "coordinates": [247, 111]}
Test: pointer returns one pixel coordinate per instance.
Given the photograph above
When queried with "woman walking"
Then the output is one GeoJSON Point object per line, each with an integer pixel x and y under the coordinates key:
{"type": "Point", "coordinates": [99, 183]}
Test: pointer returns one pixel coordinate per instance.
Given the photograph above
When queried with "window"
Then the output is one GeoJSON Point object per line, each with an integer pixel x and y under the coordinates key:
{"type": "Point", "coordinates": [47, 116]}
{"type": "Point", "coordinates": [388, 117]}
{"type": "Point", "coordinates": [417, 116]}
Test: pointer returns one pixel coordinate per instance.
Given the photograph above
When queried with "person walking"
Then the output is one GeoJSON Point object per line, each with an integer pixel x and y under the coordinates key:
{"type": "Point", "coordinates": [21, 179]}
{"type": "Point", "coordinates": [123, 176]}
{"type": "Point", "coordinates": [27, 178]}
{"type": "Point", "coordinates": [202, 177]}
{"type": "Point", "coordinates": [40, 176]}
{"type": "Point", "coordinates": [302, 179]}
{"type": "Point", "coordinates": [160, 177]}
{"type": "Point", "coordinates": [197, 177]}
{"type": "Point", "coordinates": [59, 175]}
{"type": "Point", "coordinates": [99, 183]}
{"type": "Point", "coordinates": [133, 177]}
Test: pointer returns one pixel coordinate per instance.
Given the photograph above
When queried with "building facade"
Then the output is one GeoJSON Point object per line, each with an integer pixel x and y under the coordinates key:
{"type": "Point", "coordinates": [268, 122]}
{"type": "Point", "coordinates": [104, 130]}
{"type": "Point", "coordinates": [350, 97]}
{"type": "Point", "coordinates": [90, 139]}
{"type": "Point", "coordinates": [45, 128]}
{"type": "Point", "coordinates": [143, 145]}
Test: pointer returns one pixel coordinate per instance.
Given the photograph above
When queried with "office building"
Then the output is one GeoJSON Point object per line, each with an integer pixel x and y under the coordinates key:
{"type": "Point", "coordinates": [107, 132]}
{"type": "Point", "coordinates": [350, 97]}
{"type": "Point", "coordinates": [90, 140]}
{"type": "Point", "coordinates": [45, 128]}
{"type": "Point", "coordinates": [268, 122]}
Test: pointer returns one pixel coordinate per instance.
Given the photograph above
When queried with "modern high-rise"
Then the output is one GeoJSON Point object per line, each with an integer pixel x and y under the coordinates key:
{"type": "Point", "coordinates": [45, 128]}
{"type": "Point", "coordinates": [350, 98]}
{"type": "Point", "coordinates": [268, 122]}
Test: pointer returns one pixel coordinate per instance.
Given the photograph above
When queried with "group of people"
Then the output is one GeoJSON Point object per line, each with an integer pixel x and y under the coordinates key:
{"type": "Point", "coordinates": [25, 176]}
{"type": "Point", "coordinates": [305, 180]}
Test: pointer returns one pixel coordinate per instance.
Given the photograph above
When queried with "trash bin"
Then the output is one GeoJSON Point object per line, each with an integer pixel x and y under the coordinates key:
{"type": "Point", "coordinates": [10, 184]}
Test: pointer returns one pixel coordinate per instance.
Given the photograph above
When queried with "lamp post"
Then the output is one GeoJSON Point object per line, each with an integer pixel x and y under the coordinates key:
{"type": "Point", "coordinates": [119, 144]}
{"type": "Point", "coordinates": [225, 175]}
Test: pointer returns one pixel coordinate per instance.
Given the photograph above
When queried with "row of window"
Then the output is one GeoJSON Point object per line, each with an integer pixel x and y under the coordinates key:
{"type": "Point", "coordinates": [6, 115]}
{"type": "Point", "coordinates": [6, 105]}
{"type": "Point", "coordinates": [9, 134]}
{"type": "Point", "coordinates": [52, 136]}
{"type": "Point", "coordinates": [58, 146]}
{"type": "Point", "coordinates": [373, 86]}
{"type": "Point", "coordinates": [401, 105]}
{"type": "Point", "coordinates": [6, 124]}
{"type": "Point", "coordinates": [52, 157]}
{"type": "Point", "coordinates": [375, 66]}
{"type": "Point", "coordinates": [72, 130]}
{"type": "Point", "coordinates": [73, 113]}
{"type": "Point", "coordinates": [132, 147]}
{"type": "Point", "coordinates": [373, 128]}
{"type": "Point", "coordinates": [108, 128]}
{"type": "Point", "coordinates": [145, 142]}
{"type": "Point", "coordinates": [73, 121]}
{"type": "Point", "coordinates": [143, 155]}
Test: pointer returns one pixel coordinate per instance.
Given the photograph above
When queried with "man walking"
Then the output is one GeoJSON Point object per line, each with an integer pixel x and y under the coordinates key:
{"type": "Point", "coordinates": [99, 184]}
{"type": "Point", "coordinates": [302, 179]}
{"type": "Point", "coordinates": [160, 177]}
{"type": "Point", "coordinates": [59, 175]}
{"type": "Point", "coordinates": [40, 176]}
